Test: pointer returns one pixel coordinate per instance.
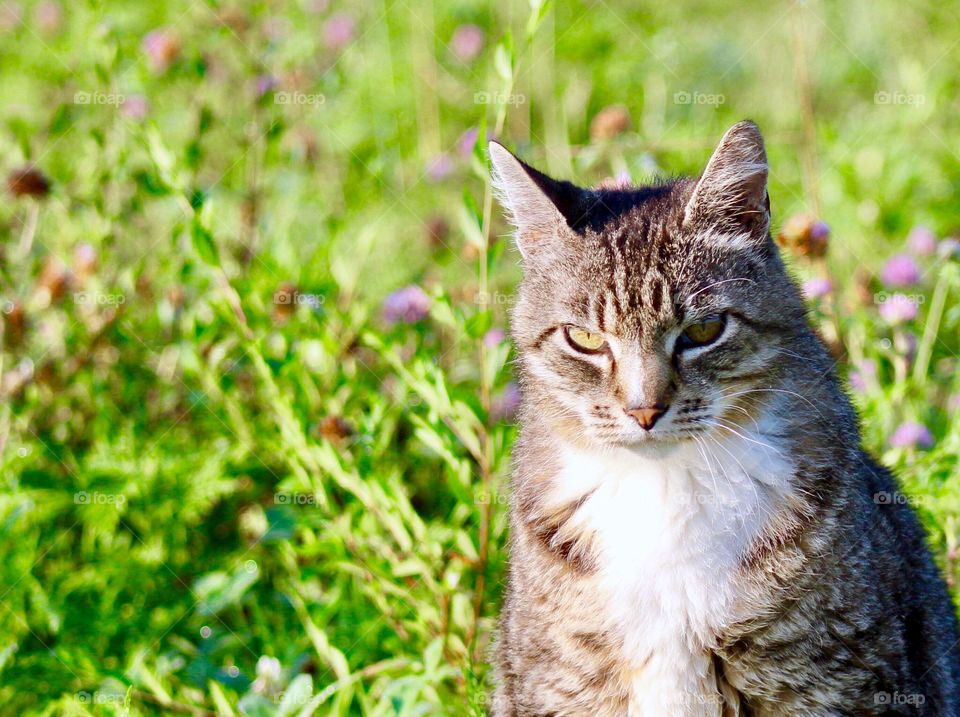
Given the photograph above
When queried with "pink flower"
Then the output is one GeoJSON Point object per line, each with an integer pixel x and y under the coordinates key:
{"type": "Point", "coordinates": [504, 405]}
{"type": "Point", "coordinates": [439, 168]}
{"type": "Point", "coordinates": [162, 47]}
{"type": "Point", "coordinates": [921, 241]}
{"type": "Point", "coordinates": [897, 309]}
{"type": "Point", "coordinates": [864, 376]}
{"type": "Point", "coordinates": [407, 305]}
{"type": "Point", "coordinates": [912, 435]}
{"type": "Point", "coordinates": [339, 30]}
{"type": "Point", "coordinates": [265, 83]}
{"type": "Point", "coordinates": [11, 15]}
{"type": "Point", "coordinates": [817, 288]}
{"type": "Point", "coordinates": [819, 232]}
{"type": "Point", "coordinates": [48, 15]}
{"type": "Point", "coordinates": [900, 270]}
{"type": "Point", "coordinates": [467, 141]}
{"type": "Point", "coordinates": [493, 338]}
{"type": "Point", "coordinates": [135, 107]}
{"type": "Point", "coordinates": [467, 42]}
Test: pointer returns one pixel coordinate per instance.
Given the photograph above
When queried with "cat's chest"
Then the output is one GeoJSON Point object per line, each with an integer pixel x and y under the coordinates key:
{"type": "Point", "coordinates": [669, 533]}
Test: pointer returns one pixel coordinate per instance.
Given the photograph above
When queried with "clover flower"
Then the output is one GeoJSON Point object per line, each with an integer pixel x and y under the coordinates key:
{"type": "Point", "coordinates": [406, 306]}
{"type": "Point", "coordinates": [467, 42]}
{"type": "Point", "coordinates": [912, 435]}
{"type": "Point", "coordinates": [899, 271]}
{"type": "Point", "coordinates": [898, 309]}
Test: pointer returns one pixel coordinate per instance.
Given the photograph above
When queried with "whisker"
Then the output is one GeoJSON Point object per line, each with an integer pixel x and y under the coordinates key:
{"type": "Point", "coordinates": [717, 423]}
{"type": "Point", "coordinates": [718, 283]}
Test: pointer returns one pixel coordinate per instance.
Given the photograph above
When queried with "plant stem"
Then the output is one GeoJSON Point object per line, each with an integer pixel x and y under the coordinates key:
{"type": "Point", "coordinates": [932, 327]}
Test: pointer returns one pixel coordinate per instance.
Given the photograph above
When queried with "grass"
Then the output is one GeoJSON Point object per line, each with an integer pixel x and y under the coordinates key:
{"type": "Point", "coordinates": [234, 481]}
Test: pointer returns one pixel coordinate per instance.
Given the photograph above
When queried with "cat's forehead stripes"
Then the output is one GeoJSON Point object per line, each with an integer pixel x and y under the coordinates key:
{"type": "Point", "coordinates": [634, 289]}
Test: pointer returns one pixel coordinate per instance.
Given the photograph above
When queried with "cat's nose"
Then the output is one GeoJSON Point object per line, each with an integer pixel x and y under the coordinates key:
{"type": "Point", "coordinates": [647, 416]}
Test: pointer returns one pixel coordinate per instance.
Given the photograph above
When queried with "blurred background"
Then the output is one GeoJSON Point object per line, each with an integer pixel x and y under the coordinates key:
{"type": "Point", "coordinates": [256, 403]}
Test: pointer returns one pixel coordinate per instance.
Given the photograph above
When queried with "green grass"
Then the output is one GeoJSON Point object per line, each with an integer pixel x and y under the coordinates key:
{"type": "Point", "coordinates": [196, 474]}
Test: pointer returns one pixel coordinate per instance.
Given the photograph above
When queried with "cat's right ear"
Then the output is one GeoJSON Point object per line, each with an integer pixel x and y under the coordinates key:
{"type": "Point", "coordinates": [732, 192]}
{"type": "Point", "coordinates": [542, 209]}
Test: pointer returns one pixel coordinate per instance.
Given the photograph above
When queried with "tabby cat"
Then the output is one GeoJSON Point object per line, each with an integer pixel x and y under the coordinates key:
{"type": "Point", "coordinates": [695, 528]}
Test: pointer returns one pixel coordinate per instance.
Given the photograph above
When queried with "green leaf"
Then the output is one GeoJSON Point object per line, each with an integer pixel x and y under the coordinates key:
{"type": "Point", "coordinates": [203, 242]}
{"type": "Point", "coordinates": [254, 705]}
{"type": "Point", "coordinates": [218, 591]}
{"type": "Point", "coordinates": [296, 695]}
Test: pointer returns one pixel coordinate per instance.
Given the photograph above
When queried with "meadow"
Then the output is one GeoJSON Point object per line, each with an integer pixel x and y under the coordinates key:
{"type": "Point", "coordinates": [256, 403]}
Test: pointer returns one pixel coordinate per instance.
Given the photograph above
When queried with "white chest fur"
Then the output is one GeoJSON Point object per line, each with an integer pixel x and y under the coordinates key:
{"type": "Point", "coordinates": [670, 530]}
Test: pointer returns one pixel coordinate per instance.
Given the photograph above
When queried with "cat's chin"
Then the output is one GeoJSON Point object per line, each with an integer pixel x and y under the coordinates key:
{"type": "Point", "coordinates": [648, 446]}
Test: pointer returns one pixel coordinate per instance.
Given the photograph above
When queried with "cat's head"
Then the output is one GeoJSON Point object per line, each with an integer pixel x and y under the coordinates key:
{"type": "Point", "coordinates": [652, 313]}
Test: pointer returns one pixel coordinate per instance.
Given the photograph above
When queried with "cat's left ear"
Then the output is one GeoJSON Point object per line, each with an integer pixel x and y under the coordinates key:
{"type": "Point", "coordinates": [731, 195]}
{"type": "Point", "coordinates": [544, 210]}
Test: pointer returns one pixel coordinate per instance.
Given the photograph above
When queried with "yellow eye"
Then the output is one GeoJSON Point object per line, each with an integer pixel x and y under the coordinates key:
{"type": "Point", "coordinates": [585, 340]}
{"type": "Point", "coordinates": [703, 332]}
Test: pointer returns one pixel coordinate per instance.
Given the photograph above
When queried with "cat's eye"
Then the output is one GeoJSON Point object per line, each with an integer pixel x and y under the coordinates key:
{"type": "Point", "coordinates": [584, 340]}
{"type": "Point", "coordinates": [703, 332]}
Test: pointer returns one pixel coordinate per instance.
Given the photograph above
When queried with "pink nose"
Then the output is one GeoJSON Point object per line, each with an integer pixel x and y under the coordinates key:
{"type": "Point", "coordinates": [648, 416]}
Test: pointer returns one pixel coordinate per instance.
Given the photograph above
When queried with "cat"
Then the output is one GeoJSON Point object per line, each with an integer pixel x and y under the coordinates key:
{"type": "Point", "coordinates": [694, 527]}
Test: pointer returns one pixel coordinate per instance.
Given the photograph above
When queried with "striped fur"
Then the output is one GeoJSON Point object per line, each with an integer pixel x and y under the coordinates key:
{"type": "Point", "coordinates": [731, 560]}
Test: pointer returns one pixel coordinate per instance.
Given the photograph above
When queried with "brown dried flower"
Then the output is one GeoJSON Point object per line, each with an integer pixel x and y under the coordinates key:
{"type": "Point", "coordinates": [28, 182]}
{"type": "Point", "coordinates": [609, 122]}
{"type": "Point", "coordinates": [805, 236]}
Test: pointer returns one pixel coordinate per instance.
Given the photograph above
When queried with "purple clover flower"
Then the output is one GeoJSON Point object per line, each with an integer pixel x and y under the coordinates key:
{"type": "Point", "coordinates": [900, 270]}
{"type": "Point", "coordinates": [504, 405]}
{"type": "Point", "coordinates": [135, 107]}
{"type": "Point", "coordinates": [911, 435]}
{"type": "Point", "coordinates": [467, 141]}
{"type": "Point", "coordinates": [921, 241]}
{"type": "Point", "coordinates": [48, 16]}
{"type": "Point", "coordinates": [339, 30]}
{"type": "Point", "coordinates": [897, 309]}
{"type": "Point", "coordinates": [817, 288]}
{"type": "Point", "coordinates": [439, 168]}
{"type": "Point", "coordinates": [819, 231]}
{"type": "Point", "coordinates": [493, 338]}
{"type": "Point", "coordinates": [162, 48]}
{"type": "Point", "coordinates": [264, 84]}
{"type": "Point", "coordinates": [864, 376]}
{"type": "Point", "coordinates": [407, 305]}
{"type": "Point", "coordinates": [467, 42]}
